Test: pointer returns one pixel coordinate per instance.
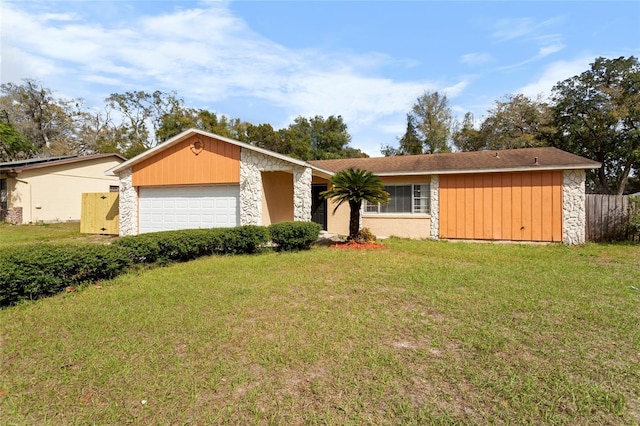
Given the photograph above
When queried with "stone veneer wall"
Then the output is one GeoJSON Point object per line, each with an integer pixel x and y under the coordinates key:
{"type": "Point", "coordinates": [435, 207]}
{"type": "Point", "coordinates": [573, 207]}
{"type": "Point", "coordinates": [302, 194]}
{"type": "Point", "coordinates": [14, 216]}
{"type": "Point", "coordinates": [251, 165]}
{"type": "Point", "coordinates": [128, 204]}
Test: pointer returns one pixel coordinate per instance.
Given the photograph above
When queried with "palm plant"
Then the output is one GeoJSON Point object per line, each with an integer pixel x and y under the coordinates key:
{"type": "Point", "coordinates": [355, 186]}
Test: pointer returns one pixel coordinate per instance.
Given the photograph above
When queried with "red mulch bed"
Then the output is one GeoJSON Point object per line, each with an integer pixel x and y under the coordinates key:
{"type": "Point", "coordinates": [351, 245]}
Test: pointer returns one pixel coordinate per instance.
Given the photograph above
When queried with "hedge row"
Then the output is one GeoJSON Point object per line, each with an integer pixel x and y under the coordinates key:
{"type": "Point", "coordinates": [37, 270]}
{"type": "Point", "coordinates": [180, 246]}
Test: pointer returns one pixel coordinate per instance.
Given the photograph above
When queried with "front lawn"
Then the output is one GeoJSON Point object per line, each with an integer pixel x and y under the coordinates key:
{"type": "Point", "coordinates": [45, 232]}
{"type": "Point", "coordinates": [414, 333]}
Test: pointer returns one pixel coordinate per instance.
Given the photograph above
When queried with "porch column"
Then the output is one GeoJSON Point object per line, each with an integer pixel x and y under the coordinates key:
{"type": "Point", "coordinates": [128, 204]}
{"type": "Point", "coordinates": [302, 194]}
{"type": "Point", "coordinates": [250, 189]}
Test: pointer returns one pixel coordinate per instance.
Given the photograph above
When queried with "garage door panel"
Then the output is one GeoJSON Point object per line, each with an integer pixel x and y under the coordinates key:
{"type": "Point", "coordinates": [171, 208]}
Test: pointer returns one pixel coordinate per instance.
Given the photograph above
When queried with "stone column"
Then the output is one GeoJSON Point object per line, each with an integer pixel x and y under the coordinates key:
{"type": "Point", "coordinates": [250, 189]}
{"type": "Point", "coordinates": [435, 207]}
{"type": "Point", "coordinates": [573, 207]}
{"type": "Point", "coordinates": [302, 194]}
{"type": "Point", "coordinates": [128, 204]}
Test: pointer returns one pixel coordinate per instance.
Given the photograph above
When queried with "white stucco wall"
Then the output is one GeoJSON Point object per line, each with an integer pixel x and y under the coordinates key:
{"type": "Point", "coordinates": [54, 194]}
{"type": "Point", "coordinates": [128, 204]}
{"type": "Point", "coordinates": [251, 165]}
{"type": "Point", "coordinates": [573, 207]}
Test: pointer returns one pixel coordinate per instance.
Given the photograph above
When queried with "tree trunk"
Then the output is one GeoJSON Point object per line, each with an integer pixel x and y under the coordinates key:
{"type": "Point", "coordinates": [602, 186]}
{"type": "Point", "coordinates": [354, 219]}
{"type": "Point", "coordinates": [624, 178]}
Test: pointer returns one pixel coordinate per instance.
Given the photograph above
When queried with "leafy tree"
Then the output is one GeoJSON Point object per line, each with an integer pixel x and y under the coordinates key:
{"type": "Point", "coordinates": [597, 115]}
{"type": "Point", "coordinates": [318, 138]}
{"type": "Point", "coordinates": [96, 132]}
{"type": "Point", "coordinates": [148, 118]}
{"type": "Point", "coordinates": [429, 126]}
{"type": "Point", "coordinates": [432, 118]}
{"type": "Point", "coordinates": [264, 136]}
{"type": "Point", "coordinates": [514, 122]}
{"type": "Point", "coordinates": [355, 186]}
{"type": "Point", "coordinates": [467, 137]}
{"type": "Point", "coordinates": [179, 119]}
{"type": "Point", "coordinates": [45, 121]}
{"type": "Point", "coordinates": [13, 144]}
{"type": "Point", "coordinates": [410, 142]}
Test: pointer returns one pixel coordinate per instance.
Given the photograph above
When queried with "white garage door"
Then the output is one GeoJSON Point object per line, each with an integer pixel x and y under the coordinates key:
{"type": "Point", "coordinates": [188, 207]}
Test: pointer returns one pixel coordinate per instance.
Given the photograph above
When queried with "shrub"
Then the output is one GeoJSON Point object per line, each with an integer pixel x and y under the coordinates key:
{"type": "Point", "coordinates": [364, 236]}
{"type": "Point", "coordinates": [35, 270]}
{"type": "Point", "coordinates": [291, 236]}
{"type": "Point", "coordinates": [179, 246]}
{"type": "Point", "coordinates": [243, 239]}
{"type": "Point", "coordinates": [142, 248]}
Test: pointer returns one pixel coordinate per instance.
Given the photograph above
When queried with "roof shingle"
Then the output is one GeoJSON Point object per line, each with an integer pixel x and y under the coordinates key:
{"type": "Point", "coordinates": [470, 162]}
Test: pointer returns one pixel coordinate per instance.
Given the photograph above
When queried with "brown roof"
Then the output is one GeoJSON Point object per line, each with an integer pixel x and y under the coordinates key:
{"type": "Point", "coordinates": [36, 163]}
{"type": "Point", "coordinates": [470, 162]}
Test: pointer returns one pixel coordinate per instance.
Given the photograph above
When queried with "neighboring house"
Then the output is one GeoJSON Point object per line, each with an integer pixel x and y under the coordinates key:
{"type": "Point", "coordinates": [50, 189]}
{"type": "Point", "coordinates": [198, 179]}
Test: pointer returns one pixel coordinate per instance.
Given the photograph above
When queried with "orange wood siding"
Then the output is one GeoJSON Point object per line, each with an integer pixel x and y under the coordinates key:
{"type": "Point", "coordinates": [217, 162]}
{"type": "Point", "coordinates": [522, 206]}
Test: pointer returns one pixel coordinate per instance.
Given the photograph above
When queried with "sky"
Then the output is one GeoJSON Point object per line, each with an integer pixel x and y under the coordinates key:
{"type": "Point", "coordinates": [272, 61]}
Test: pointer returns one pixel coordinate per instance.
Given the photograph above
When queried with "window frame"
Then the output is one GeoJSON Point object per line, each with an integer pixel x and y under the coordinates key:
{"type": "Point", "coordinates": [367, 207]}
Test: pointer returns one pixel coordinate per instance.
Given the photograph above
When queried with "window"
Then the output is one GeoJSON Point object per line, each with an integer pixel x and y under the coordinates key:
{"type": "Point", "coordinates": [404, 199]}
{"type": "Point", "coordinates": [4, 196]}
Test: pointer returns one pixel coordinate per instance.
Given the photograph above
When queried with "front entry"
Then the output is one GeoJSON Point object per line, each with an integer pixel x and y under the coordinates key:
{"type": "Point", "coordinates": [319, 206]}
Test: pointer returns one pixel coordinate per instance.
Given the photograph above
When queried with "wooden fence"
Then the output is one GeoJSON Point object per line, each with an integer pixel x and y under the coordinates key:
{"type": "Point", "coordinates": [607, 217]}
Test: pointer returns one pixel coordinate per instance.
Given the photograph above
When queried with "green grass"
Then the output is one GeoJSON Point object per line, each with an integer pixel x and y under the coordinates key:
{"type": "Point", "coordinates": [44, 232]}
{"type": "Point", "coordinates": [415, 333]}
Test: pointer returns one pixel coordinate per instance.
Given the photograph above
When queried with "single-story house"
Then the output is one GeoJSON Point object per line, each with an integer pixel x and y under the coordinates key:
{"type": "Point", "coordinates": [198, 179]}
{"type": "Point", "coordinates": [50, 189]}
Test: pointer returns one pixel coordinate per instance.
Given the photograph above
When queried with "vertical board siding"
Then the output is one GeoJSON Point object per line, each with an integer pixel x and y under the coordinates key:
{"type": "Point", "coordinates": [469, 205]}
{"type": "Point", "coordinates": [556, 193]}
{"type": "Point", "coordinates": [183, 164]}
{"type": "Point", "coordinates": [516, 207]}
{"type": "Point", "coordinates": [497, 206]}
{"type": "Point", "coordinates": [521, 206]}
{"type": "Point", "coordinates": [507, 213]}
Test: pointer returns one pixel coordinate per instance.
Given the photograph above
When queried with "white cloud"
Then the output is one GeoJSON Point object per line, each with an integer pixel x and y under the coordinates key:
{"type": "Point", "coordinates": [509, 29]}
{"type": "Point", "coordinates": [208, 55]}
{"type": "Point", "coordinates": [476, 58]}
{"type": "Point", "coordinates": [549, 50]}
{"type": "Point", "coordinates": [554, 73]}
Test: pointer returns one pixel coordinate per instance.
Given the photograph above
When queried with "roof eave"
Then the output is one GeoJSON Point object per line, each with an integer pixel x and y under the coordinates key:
{"type": "Point", "coordinates": [495, 170]}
